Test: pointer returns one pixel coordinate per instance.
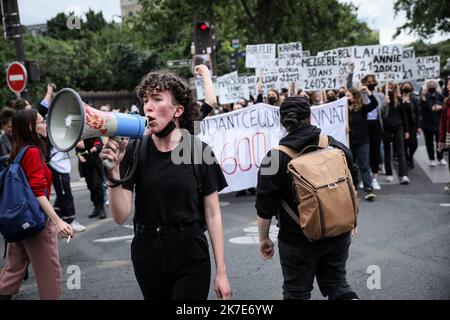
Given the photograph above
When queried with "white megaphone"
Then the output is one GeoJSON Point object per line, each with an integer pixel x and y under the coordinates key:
{"type": "Point", "coordinates": [71, 120]}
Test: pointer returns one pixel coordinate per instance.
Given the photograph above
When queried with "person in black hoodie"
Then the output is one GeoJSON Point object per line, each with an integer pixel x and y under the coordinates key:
{"type": "Point", "coordinates": [301, 260]}
{"type": "Point", "coordinates": [396, 131]}
{"type": "Point", "coordinates": [359, 134]}
{"type": "Point", "coordinates": [411, 105]}
{"type": "Point", "coordinates": [431, 108]}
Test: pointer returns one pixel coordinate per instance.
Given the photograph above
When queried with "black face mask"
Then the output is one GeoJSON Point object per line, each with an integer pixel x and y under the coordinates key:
{"type": "Point", "coordinates": [406, 90]}
{"type": "Point", "coordinates": [331, 98]}
{"type": "Point", "coordinates": [371, 86]}
{"type": "Point", "coordinates": [166, 131]}
{"type": "Point", "coordinates": [432, 90]}
{"type": "Point", "coordinates": [341, 95]}
{"type": "Point", "coordinates": [272, 100]}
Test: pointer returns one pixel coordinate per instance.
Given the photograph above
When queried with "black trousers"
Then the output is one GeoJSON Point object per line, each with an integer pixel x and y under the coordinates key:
{"type": "Point", "coordinates": [411, 145]}
{"type": "Point", "coordinates": [63, 205]}
{"type": "Point", "coordinates": [93, 174]}
{"type": "Point", "coordinates": [395, 136]}
{"type": "Point", "coordinates": [172, 264]}
{"type": "Point", "coordinates": [375, 138]}
{"type": "Point", "coordinates": [432, 136]}
{"type": "Point", "coordinates": [326, 260]}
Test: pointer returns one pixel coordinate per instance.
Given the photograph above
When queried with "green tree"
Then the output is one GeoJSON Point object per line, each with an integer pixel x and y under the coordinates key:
{"type": "Point", "coordinates": [57, 26]}
{"type": "Point", "coordinates": [320, 25]}
{"type": "Point", "coordinates": [426, 17]}
{"type": "Point", "coordinates": [7, 54]}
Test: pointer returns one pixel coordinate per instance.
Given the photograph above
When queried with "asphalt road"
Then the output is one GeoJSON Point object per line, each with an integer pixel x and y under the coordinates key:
{"type": "Point", "coordinates": [402, 249]}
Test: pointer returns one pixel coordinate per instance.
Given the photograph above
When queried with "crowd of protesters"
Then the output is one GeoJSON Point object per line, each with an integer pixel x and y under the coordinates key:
{"type": "Point", "coordinates": [384, 123]}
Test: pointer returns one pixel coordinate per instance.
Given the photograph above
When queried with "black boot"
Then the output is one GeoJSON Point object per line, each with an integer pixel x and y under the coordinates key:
{"type": "Point", "coordinates": [94, 213]}
{"type": "Point", "coordinates": [101, 213]}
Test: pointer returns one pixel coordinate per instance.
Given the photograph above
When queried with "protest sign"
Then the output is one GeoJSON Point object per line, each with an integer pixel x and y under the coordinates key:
{"type": "Point", "coordinates": [249, 85]}
{"type": "Point", "coordinates": [228, 88]}
{"type": "Point", "coordinates": [319, 73]}
{"type": "Point", "coordinates": [428, 67]}
{"type": "Point", "coordinates": [385, 61]}
{"type": "Point", "coordinates": [259, 55]}
{"type": "Point", "coordinates": [345, 57]}
{"type": "Point", "coordinates": [240, 139]}
{"type": "Point", "coordinates": [409, 72]}
{"type": "Point", "coordinates": [290, 50]}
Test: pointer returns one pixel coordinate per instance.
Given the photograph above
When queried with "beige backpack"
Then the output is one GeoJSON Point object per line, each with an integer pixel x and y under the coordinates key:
{"type": "Point", "coordinates": [323, 189]}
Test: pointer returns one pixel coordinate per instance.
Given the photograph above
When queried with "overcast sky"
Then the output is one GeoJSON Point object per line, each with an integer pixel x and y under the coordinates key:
{"type": "Point", "coordinates": [39, 11]}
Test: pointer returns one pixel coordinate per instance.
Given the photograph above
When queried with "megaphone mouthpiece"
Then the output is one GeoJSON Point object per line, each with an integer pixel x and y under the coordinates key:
{"type": "Point", "coordinates": [71, 120]}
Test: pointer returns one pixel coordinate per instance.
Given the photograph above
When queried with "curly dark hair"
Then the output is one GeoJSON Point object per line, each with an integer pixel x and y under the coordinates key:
{"type": "Point", "coordinates": [161, 81]}
{"type": "Point", "coordinates": [292, 121]}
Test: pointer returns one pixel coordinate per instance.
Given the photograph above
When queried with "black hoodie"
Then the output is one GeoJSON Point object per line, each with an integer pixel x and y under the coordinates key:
{"type": "Point", "coordinates": [272, 188]}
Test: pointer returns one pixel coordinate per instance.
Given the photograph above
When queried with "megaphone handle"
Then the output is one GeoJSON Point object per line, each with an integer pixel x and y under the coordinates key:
{"type": "Point", "coordinates": [108, 163]}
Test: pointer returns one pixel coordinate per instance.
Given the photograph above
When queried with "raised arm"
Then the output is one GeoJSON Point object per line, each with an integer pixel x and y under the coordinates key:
{"type": "Point", "coordinates": [210, 94]}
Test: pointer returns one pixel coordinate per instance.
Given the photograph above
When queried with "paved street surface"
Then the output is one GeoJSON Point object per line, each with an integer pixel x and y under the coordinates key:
{"type": "Point", "coordinates": [404, 234]}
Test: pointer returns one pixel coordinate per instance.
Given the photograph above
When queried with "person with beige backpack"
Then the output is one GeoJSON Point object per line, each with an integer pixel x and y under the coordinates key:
{"type": "Point", "coordinates": [308, 182]}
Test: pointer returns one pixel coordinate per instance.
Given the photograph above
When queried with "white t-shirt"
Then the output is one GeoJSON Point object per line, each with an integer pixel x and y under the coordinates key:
{"type": "Point", "coordinates": [60, 161]}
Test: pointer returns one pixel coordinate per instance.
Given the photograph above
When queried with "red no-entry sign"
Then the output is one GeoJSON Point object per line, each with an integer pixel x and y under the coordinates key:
{"type": "Point", "coordinates": [16, 77]}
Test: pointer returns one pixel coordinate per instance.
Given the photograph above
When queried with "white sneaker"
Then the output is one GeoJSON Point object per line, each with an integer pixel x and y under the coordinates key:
{"type": "Point", "coordinates": [389, 178]}
{"type": "Point", "coordinates": [375, 184]}
{"type": "Point", "coordinates": [77, 227]}
{"type": "Point", "coordinates": [442, 162]}
{"type": "Point", "coordinates": [433, 163]}
{"type": "Point", "coordinates": [404, 180]}
{"type": "Point", "coordinates": [447, 187]}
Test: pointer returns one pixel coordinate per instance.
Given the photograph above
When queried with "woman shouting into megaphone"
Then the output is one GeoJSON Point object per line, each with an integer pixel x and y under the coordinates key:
{"type": "Point", "coordinates": [169, 250]}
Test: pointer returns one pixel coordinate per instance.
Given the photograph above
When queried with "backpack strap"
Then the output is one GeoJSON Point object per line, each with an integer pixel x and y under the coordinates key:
{"type": "Point", "coordinates": [289, 151]}
{"type": "Point", "coordinates": [20, 155]}
{"type": "Point", "coordinates": [322, 144]}
{"type": "Point", "coordinates": [290, 211]}
{"type": "Point", "coordinates": [199, 174]}
{"type": "Point", "coordinates": [323, 141]}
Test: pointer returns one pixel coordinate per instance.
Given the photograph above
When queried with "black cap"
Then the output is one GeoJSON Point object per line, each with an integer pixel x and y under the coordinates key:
{"type": "Point", "coordinates": [299, 105]}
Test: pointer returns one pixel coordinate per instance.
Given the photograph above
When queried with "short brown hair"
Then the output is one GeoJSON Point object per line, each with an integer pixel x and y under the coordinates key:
{"type": "Point", "coordinates": [178, 89]}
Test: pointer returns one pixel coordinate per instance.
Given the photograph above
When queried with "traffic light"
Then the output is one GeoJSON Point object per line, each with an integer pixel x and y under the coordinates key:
{"type": "Point", "coordinates": [11, 21]}
{"type": "Point", "coordinates": [233, 61]}
{"type": "Point", "coordinates": [203, 37]}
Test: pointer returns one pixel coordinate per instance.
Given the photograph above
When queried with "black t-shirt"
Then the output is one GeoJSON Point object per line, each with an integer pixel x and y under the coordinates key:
{"type": "Point", "coordinates": [166, 192]}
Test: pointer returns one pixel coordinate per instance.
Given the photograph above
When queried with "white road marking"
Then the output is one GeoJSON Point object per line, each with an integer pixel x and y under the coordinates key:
{"type": "Point", "coordinates": [113, 239]}
{"type": "Point", "coordinates": [252, 236]}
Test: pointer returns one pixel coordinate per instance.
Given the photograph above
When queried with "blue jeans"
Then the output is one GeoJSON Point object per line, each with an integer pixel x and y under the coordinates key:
{"type": "Point", "coordinates": [324, 259]}
{"type": "Point", "coordinates": [361, 156]}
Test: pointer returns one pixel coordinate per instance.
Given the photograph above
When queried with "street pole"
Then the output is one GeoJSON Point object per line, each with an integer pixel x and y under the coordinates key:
{"type": "Point", "coordinates": [13, 31]}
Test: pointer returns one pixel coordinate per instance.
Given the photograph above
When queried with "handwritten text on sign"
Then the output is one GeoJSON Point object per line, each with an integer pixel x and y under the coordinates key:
{"type": "Point", "coordinates": [241, 139]}
{"type": "Point", "coordinates": [428, 67]}
{"type": "Point", "coordinates": [319, 73]}
{"type": "Point", "coordinates": [259, 55]}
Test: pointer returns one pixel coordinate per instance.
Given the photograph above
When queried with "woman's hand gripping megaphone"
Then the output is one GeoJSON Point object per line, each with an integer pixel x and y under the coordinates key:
{"type": "Point", "coordinates": [112, 154]}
